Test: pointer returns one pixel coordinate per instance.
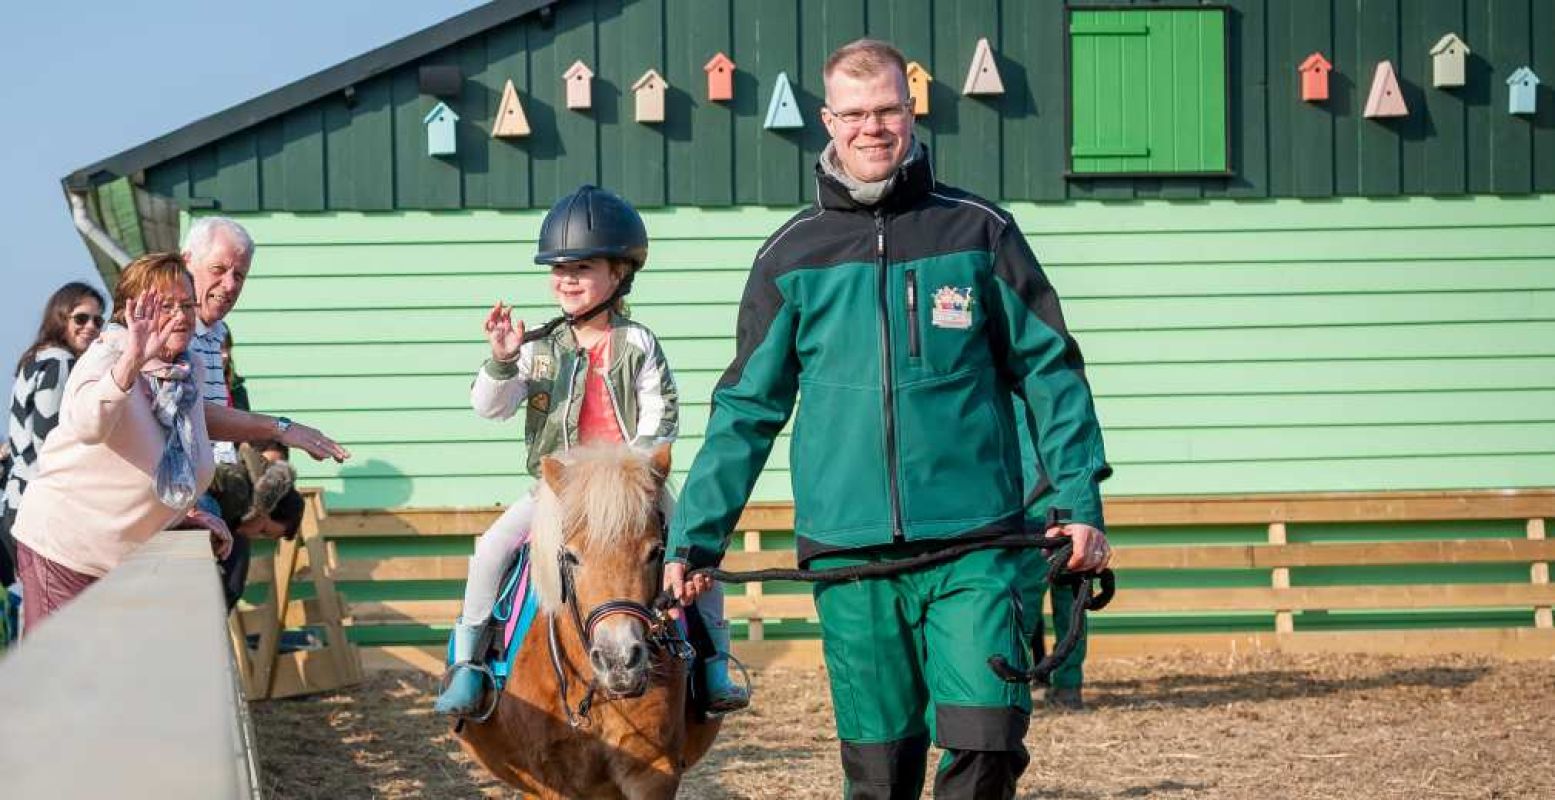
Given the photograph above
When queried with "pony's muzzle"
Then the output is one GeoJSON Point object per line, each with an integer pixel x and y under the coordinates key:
{"type": "Point", "coordinates": [621, 667]}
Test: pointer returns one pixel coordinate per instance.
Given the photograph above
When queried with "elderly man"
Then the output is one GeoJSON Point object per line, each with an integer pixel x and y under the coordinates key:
{"type": "Point", "coordinates": [219, 254]}
{"type": "Point", "coordinates": [904, 311]}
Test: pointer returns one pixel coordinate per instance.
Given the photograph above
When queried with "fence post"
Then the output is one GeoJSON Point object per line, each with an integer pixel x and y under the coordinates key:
{"type": "Point", "coordinates": [1284, 620]}
{"type": "Point", "coordinates": [1540, 575]}
{"type": "Point", "coordinates": [756, 627]}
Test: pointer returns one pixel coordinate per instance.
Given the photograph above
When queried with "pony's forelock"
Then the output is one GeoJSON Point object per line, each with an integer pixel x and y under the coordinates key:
{"type": "Point", "coordinates": [608, 496]}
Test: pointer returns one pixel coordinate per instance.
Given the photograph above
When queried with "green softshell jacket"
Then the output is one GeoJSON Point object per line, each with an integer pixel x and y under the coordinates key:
{"type": "Point", "coordinates": [904, 328]}
{"type": "Point", "coordinates": [548, 380]}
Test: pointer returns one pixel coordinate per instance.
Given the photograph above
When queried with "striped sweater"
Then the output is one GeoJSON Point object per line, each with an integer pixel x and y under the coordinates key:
{"type": "Point", "coordinates": [35, 403]}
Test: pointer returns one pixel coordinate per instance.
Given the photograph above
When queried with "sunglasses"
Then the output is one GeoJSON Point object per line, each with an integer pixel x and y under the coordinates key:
{"type": "Point", "coordinates": [82, 319]}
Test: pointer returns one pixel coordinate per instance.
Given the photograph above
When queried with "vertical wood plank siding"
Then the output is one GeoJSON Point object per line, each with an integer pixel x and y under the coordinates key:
{"type": "Point", "coordinates": [1234, 346]}
{"type": "Point", "coordinates": [370, 153]}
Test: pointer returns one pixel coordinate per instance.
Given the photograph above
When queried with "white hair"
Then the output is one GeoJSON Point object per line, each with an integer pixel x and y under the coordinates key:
{"type": "Point", "coordinates": [203, 233]}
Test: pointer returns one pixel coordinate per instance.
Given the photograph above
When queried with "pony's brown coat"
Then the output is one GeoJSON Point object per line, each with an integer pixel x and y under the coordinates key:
{"type": "Point", "coordinates": [599, 501]}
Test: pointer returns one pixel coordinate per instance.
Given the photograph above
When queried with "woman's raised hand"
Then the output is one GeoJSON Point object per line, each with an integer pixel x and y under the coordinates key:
{"type": "Point", "coordinates": [149, 325]}
{"type": "Point", "coordinates": [505, 335]}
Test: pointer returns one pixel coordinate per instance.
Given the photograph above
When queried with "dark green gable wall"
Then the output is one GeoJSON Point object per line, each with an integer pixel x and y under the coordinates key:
{"type": "Point", "coordinates": [369, 153]}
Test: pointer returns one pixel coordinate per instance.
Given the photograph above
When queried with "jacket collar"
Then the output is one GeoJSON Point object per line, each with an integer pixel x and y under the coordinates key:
{"type": "Point", "coordinates": [914, 180]}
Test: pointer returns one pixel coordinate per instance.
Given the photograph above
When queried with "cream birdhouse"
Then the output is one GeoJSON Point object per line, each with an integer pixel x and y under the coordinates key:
{"type": "Point", "coordinates": [983, 77]}
{"type": "Point", "coordinates": [649, 91]}
{"type": "Point", "coordinates": [1447, 61]}
{"type": "Point", "coordinates": [511, 122]}
{"type": "Point", "coordinates": [1385, 99]}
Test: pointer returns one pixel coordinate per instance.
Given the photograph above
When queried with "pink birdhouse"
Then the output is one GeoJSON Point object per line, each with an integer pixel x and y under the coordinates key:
{"type": "Point", "coordinates": [1314, 78]}
{"type": "Point", "coordinates": [1385, 100]}
{"type": "Point", "coordinates": [580, 85]}
{"type": "Point", "coordinates": [720, 78]}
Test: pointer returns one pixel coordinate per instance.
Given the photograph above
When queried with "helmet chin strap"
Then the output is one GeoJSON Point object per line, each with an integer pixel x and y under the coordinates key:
{"type": "Point", "coordinates": [545, 330]}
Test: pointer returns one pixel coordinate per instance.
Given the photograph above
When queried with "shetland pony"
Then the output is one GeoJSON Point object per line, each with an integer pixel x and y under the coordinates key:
{"type": "Point", "coordinates": [597, 702]}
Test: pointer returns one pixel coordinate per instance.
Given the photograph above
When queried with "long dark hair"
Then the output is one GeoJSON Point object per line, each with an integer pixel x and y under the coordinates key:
{"type": "Point", "coordinates": [53, 330]}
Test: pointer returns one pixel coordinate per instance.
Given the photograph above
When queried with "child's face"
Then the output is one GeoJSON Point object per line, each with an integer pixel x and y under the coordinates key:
{"type": "Point", "coordinates": [582, 285]}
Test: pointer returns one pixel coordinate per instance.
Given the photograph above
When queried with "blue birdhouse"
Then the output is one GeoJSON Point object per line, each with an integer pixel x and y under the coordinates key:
{"type": "Point", "coordinates": [783, 111]}
{"type": "Point", "coordinates": [1524, 95]}
{"type": "Point", "coordinates": [442, 134]}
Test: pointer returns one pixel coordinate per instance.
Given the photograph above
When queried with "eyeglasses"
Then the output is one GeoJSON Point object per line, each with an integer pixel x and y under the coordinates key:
{"type": "Point", "coordinates": [83, 319]}
{"type": "Point", "coordinates": [889, 115]}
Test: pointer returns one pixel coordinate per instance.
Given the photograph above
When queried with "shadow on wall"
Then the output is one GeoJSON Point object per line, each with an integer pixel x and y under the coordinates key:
{"type": "Point", "coordinates": [373, 483]}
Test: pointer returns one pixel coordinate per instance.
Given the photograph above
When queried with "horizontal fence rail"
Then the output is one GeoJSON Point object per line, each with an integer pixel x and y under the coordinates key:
{"type": "Point", "coordinates": [130, 690]}
{"type": "Point", "coordinates": [1282, 594]}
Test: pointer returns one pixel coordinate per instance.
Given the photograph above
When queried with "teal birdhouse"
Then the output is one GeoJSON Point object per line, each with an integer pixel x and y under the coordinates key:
{"type": "Point", "coordinates": [783, 111]}
{"type": "Point", "coordinates": [442, 134]}
{"type": "Point", "coordinates": [1524, 95]}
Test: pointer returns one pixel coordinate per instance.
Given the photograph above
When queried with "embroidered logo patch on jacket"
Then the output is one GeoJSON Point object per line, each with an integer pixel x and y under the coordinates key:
{"type": "Point", "coordinates": [953, 307]}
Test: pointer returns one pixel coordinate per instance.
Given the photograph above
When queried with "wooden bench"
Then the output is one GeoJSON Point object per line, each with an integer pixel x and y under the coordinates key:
{"type": "Point", "coordinates": [1509, 529]}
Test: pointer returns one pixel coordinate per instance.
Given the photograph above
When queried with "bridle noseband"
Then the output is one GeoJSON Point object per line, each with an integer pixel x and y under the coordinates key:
{"type": "Point", "coordinates": [662, 632]}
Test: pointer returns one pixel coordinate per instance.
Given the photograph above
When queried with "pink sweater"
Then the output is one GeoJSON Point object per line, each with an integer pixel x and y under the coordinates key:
{"type": "Point", "coordinates": [94, 499]}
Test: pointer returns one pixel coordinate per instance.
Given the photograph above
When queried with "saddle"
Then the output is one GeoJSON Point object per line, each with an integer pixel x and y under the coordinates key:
{"type": "Point", "coordinates": [516, 609]}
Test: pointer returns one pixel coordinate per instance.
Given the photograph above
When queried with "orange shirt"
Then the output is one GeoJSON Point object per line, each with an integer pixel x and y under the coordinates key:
{"type": "Point", "coordinates": [597, 419]}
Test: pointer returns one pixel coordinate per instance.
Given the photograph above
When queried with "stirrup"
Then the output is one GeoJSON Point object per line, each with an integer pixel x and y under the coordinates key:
{"type": "Point", "coordinates": [745, 679]}
{"type": "Point", "coordinates": [489, 689]}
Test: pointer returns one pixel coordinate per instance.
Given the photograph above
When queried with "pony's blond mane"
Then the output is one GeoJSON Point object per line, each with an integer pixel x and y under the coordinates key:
{"type": "Point", "coordinates": [607, 499]}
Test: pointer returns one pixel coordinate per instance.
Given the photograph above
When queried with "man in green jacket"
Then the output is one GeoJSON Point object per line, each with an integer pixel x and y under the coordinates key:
{"type": "Point", "coordinates": [906, 313]}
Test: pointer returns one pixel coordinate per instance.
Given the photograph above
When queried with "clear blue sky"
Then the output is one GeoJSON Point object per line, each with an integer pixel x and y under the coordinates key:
{"type": "Point", "coordinates": [80, 81]}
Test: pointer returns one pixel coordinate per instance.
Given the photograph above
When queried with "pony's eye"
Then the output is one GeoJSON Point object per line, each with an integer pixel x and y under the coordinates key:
{"type": "Point", "coordinates": [655, 554]}
{"type": "Point", "coordinates": [570, 558]}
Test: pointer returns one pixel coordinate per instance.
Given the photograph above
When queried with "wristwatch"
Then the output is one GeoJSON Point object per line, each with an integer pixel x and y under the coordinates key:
{"type": "Point", "coordinates": [282, 425]}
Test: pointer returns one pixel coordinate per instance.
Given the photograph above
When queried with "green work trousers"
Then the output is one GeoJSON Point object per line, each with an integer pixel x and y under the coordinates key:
{"type": "Point", "coordinates": [908, 656]}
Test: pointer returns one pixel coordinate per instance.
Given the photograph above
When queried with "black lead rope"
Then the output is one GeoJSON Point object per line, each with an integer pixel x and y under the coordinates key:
{"type": "Point", "coordinates": [1093, 590]}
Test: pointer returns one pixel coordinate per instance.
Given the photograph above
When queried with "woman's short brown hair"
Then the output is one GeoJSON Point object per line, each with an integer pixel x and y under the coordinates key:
{"type": "Point", "coordinates": [151, 271]}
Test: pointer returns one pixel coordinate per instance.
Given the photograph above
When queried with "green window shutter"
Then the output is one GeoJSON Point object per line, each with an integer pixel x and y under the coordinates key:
{"type": "Point", "coordinates": [1147, 91]}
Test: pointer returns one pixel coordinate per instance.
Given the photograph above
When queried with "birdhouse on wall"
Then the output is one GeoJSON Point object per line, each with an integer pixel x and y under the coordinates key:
{"type": "Point", "coordinates": [720, 78]}
{"type": "Point", "coordinates": [511, 123]}
{"type": "Point", "coordinates": [983, 78]}
{"type": "Point", "coordinates": [1524, 95]}
{"type": "Point", "coordinates": [1447, 60]}
{"type": "Point", "coordinates": [783, 111]}
{"type": "Point", "coordinates": [1385, 99]}
{"type": "Point", "coordinates": [442, 133]}
{"type": "Point", "coordinates": [1314, 78]}
{"type": "Point", "coordinates": [649, 90]}
{"type": "Point", "coordinates": [580, 86]}
{"type": "Point", "coordinates": [918, 80]}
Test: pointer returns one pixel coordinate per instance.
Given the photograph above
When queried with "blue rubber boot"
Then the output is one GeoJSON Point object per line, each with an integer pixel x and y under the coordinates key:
{"type": "Point", "coordinates": [724, 695]}
{"type": "Point", "coordinates": [466, 680]}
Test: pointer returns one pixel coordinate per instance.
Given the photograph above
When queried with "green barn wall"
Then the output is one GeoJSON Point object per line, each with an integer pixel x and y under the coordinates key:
{"type": "Point", "coordinates": [1233, 346]}
{"type": "Point", "coordinates": [370, 154]}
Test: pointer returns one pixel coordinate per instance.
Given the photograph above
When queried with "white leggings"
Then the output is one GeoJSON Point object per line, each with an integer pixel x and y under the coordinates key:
{"type": "Point", "coordinates": [494, 551]}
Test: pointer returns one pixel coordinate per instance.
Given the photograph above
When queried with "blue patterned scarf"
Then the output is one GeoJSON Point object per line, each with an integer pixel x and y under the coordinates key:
{"type": "Point", "coordinates": [173, 395]}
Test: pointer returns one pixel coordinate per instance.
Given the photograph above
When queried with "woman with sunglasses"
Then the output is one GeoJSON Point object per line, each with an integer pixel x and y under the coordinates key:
{"type": "Point", "coordinates": [72, 320]}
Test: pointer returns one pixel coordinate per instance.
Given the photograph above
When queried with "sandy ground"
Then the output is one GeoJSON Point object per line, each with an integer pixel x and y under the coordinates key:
{"type": "Point", "coordinates": [1192, 726]}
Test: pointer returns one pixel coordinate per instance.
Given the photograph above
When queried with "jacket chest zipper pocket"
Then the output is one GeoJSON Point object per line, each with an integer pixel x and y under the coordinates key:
{"type": "Point", "coordinates": [912, 314]}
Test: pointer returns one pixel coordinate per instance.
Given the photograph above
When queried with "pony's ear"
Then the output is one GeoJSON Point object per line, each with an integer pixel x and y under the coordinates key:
{"type": "Point", "coordinates": [659, 459]}
{"type": "Point", "coordinates": [551, 470]}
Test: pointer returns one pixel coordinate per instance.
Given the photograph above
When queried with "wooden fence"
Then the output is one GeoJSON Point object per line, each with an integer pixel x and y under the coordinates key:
{"type": "Point", "coordinates": [1383, 566]}
{"type": "Point", "coordinates": [130, 690]}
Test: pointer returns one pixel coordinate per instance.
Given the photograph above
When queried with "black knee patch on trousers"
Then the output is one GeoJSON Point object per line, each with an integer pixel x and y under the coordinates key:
{"type": "Point", "coordinates": [981, 775]}
{"type": "Point", "coordinates": [885, 770]}
{"type": "Point", "coordinates": [982, 729]}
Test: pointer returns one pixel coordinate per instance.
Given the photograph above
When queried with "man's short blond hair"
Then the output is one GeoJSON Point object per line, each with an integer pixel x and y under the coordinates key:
{"type": "Point", "coordinates": [864, 58]}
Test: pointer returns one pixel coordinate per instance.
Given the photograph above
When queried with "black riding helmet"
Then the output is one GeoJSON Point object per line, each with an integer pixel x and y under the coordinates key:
{"type": "Point", "coordinates": [592, 223]}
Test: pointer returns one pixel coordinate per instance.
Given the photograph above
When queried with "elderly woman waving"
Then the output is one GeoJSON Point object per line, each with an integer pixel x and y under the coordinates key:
{"type": "Point", "coordinates": [132, 451]}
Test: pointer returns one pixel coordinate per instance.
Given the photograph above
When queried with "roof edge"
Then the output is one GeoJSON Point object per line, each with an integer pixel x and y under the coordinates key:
{"type": "Point", "coordinates": [298, 93]}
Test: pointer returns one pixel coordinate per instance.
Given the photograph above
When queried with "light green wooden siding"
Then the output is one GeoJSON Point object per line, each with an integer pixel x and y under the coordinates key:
{"type": "Point", "coordinates": [1148, 90]}
{"type": "Point", "coordinates": [1233, 347]}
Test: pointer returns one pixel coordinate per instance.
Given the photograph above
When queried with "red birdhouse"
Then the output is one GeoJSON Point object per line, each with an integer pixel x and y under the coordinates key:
{"type": "Point", "coordinates": [1314, 77]}
{"type": "Point", "coordinates": [720, 78]}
